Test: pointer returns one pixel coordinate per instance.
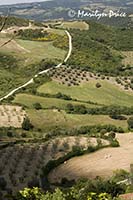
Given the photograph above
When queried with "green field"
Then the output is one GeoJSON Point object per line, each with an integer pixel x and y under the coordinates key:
{"type": "Point", "coordinates": [28, 52]}
{"type": "Point", "coordinates": [29, 100]}
{"type": "Point", "coordinates": [41, 50]}
{"type": "Point", "coordinates": [20, 59]}
{"type": "Point", "coordinates": [49, 119]}
{"type": "Point", "coordinates": [108, 94]}
{"type": "Point", "coordinates": [74, 25]}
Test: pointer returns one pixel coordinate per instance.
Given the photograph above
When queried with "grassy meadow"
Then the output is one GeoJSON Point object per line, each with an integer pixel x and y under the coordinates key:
{"type": "Point", "coordinates": [74, 25]}
{"type": "Point", "coordinates": [19, 60]}
{"type": "Point", "coordinates": [29, 100]}
{"type": "Point", "coordinates": [28, 52]}
{"type": "Point", "coordinates": [108, 94]}
{"type": "Point", "coordinates": [49, 119]}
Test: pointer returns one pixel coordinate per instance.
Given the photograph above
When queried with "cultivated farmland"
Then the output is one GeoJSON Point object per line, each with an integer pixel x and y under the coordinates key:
{"type": "Point", "coordinates": [102, 163]}
{"type": "Point", "coordinates": [24, 162]}
{"type": "Point", "coordinates": [11, 116]}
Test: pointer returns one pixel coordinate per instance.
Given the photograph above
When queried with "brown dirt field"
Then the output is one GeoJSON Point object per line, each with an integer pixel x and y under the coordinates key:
{"type": "Point", "coordinates": [11, 116]}
{"type": "Point", "coordinates": [101, 163]}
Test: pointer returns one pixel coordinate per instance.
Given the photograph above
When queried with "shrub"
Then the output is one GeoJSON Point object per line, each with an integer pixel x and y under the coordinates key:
{"type": "Point", "coordinates": [118, 117]}
{"type": "Point", "coordinates": [102, 77]}
{"type": "Point", "coordinates": [115, 143]}
{"type": "Point", "coordinates": [112, 135]}
{"type": "Point", "coordinates": [26, 125]}
{"type": "Point", "coordinates": [37, 106]}
{"type": "Point", "coordinates": [118, 80]}
{"type": "Point", "coordinates": [98, 85]}
{"type": "Point", "coordinates": [59, 95]}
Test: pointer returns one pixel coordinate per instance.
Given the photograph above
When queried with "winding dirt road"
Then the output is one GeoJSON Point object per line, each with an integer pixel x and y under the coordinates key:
{"type": "Point", "coordinates": [42, 72]}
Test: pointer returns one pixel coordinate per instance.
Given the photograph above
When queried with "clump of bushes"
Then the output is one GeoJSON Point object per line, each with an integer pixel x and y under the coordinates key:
{"type": "Point", "coordinates": [26, 125]}
{"type": "Point", "coordinates": [114, 112]}
{"type": "Point", "coordinates": [37, 106]}
{"type": "Point", "coordinates": [98, 85]}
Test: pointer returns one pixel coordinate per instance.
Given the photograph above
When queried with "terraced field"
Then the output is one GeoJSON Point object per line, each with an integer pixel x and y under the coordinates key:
{"type": "Point", "coordinates": [53, 113]}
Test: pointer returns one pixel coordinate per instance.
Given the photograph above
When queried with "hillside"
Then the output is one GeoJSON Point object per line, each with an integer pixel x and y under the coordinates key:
{"type": "Point", "coordinates": [99, 49]}
{"type": "Point", "coordinates": [66, 97]}
{"type": "Point", "coordinates": [14, 21]}
{"type": "Point", "coordinates": [58, 9]}
{"type": "Point", "coordinates": [19, 60]}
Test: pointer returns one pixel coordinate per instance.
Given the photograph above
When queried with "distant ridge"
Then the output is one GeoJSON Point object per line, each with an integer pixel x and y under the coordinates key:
{"type": "Point", "coordinates": [58, 9]}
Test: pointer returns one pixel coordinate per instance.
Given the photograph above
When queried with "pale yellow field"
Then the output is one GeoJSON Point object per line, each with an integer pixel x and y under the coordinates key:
{"type": "Point", "coordinates": [128, 57]}
{"type": "Point", "coordinates": [101, 163]}
{"type": "Point", "coordinates": [11, 116]}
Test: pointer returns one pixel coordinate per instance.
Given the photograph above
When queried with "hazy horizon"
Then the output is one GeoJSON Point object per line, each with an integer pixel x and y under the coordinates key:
{"type": "Point", "coordinates": [8, 2]}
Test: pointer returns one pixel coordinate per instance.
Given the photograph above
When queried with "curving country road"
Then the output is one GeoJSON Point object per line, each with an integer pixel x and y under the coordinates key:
{"type": "Point", "coordinates": [42, 72]}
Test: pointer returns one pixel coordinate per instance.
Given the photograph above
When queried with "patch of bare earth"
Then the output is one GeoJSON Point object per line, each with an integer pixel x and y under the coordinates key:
{"type": "Point", "coordinates": [13, 46]}
{"type": "Point", "coordinates": [101, 163]}
{"type": "Point", "coordinates": [11, 116]}
{"type": "Point", "coordinates": [128, 58]}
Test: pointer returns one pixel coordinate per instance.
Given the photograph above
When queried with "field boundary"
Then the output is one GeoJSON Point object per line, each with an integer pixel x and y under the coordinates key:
{"type": "Point", "coordinates": [42, 72]}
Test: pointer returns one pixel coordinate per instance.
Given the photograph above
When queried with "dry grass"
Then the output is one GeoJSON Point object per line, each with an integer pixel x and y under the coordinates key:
{"type": "Point", "coordinates": [101, 163]}
{"type": "Point", "coordinates": [128, 58]}
{"type": "Point", "coordinates": [11, 116]}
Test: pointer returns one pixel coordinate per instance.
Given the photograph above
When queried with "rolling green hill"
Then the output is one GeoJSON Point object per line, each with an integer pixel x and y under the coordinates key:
{"type": "Point", "coordinates": [98, 49]}
{"type": "Point", "coordinates": [21, 59]}
{"type": "Point", "coordinates": [67, 108]}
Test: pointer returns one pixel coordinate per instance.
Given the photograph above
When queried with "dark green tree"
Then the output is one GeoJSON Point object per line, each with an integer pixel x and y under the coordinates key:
{"type": "Point", "coordinates": [26, 125]}
{"type": "Point", "coordinates": [37, 106]}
